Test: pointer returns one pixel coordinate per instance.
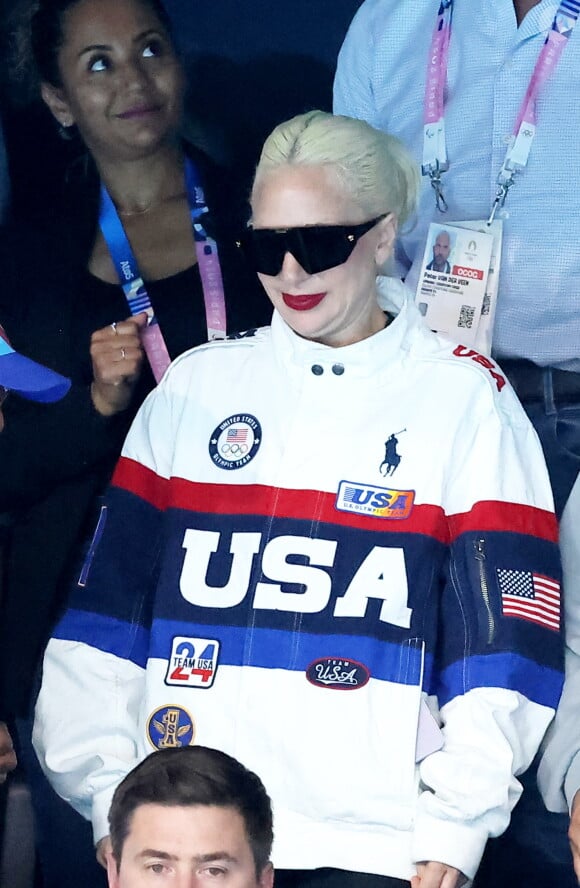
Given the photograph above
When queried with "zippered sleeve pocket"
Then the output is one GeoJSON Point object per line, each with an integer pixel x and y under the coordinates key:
{"type": "Point", "coordinates": [88, 560]}
{"type": "Point", "coordinates": [471, 608]}
{"type": "Point", "coordinates": [480, 553]}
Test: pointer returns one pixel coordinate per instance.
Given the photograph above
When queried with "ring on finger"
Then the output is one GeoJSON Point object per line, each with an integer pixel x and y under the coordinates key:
{"type": "Point", "coordinates": [122, 354]}
{"type": "Point", "coordinates": [114, 328]}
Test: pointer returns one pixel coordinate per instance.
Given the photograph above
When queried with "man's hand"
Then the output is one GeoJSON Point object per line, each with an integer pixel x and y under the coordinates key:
{"type": "Point", "coordinates": [7, 754]}
{"type": "Point", "coordinates": [574, 834]}
{"type": "Point", "coordinates": [104, 850]}
{"type": "Point", "coordinates": [437, 875]}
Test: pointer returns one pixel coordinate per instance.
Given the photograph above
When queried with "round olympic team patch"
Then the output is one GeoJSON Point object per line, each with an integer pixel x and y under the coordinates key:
{"type": "Point", "coordinates": [169, 727]}
{"type": "Point", "coordinates": [235, 441]}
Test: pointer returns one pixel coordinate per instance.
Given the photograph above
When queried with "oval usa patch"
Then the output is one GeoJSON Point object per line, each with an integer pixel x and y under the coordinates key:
{"type": "Point", "coordinates": [337, 674]}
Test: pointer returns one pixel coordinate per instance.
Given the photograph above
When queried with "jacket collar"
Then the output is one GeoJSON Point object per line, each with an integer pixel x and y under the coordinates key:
{"type": "Point", "coordinates": [361, 359]}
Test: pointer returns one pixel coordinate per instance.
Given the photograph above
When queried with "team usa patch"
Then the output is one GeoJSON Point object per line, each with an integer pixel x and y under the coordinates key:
{"type": "Point", "coordinates": [236, 441]}
{"type": "Point", "coordinates": [337, 674]}
{"type": "Point", "coordinates": [368, 499]}
{"type": "Point", "coordinates": [170, 727]}
{"type": "Point", "coordinates": [193, 662]}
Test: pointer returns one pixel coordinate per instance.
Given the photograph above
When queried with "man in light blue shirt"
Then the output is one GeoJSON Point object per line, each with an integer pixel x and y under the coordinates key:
{"type": "Point", "coordinates": [494, 46]}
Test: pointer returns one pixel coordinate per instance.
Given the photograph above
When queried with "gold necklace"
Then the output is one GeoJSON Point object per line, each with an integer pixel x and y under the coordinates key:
{"type": "Point", "coordinates": [152, 206]}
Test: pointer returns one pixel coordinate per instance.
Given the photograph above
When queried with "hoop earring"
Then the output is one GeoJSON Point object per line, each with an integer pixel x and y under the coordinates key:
{"type": "Point", "coordinates": [67, 131]}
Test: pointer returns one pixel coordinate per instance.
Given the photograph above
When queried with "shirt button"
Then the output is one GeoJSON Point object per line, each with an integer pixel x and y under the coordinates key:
{"type": "Point", "coordinates": [338, 369]}
{"type": "Point", "coordinates": [317, 369]}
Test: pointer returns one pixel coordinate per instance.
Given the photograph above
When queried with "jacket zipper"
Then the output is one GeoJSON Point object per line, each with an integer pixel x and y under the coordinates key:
{"type": "Point", "coordinates": [479, 546]}
{"type": "Point", "coordinates": [84, 574]}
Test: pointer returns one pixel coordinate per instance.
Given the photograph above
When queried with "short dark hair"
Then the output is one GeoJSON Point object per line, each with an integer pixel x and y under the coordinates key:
{"type": "Point", "coordinates": [47, 34]}
{"type": "Point", "coordinates": [194, 775]}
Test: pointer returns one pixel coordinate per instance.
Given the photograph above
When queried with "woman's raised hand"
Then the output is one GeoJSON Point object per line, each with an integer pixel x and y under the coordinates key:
{"type": "Point", "coordinates": [117, 356]}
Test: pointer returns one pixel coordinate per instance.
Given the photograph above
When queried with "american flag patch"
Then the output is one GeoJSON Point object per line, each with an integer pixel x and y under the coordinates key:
{"type": "Point", "coordinates": [237, 435]}
{"type": "Point", "coordinates": [530, 596]}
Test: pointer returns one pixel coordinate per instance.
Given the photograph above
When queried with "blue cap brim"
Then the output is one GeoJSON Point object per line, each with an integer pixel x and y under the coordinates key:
{"type": "Point", "coordinates": [29, 379]}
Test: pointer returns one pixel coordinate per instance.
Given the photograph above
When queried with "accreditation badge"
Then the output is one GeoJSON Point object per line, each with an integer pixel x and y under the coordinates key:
{"type": "Point", "coordinates": [457, 288]}
{"type": "Point", "coordinates": [483, 340]}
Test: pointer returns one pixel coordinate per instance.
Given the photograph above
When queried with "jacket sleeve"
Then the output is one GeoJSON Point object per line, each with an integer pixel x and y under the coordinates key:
{"type": "Point", "coordinates": [497, 670]}
{"type": "Point", "coordinates": [86, 724]}
{"type": "Point", "coordinates": [44, 445]}
{"type": "Point", "coordinates": [559, 770]}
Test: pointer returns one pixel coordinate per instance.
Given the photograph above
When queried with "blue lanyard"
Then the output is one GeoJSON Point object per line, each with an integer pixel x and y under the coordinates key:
{"type": "Point", "coordinates": [134, 287]}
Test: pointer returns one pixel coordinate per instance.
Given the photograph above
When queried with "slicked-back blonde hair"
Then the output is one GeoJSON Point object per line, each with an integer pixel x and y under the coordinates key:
{"type": "Point", "coordinates": [375, 168]}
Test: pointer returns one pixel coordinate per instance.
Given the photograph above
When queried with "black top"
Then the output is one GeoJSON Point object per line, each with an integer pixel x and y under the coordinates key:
{"type": "Point", "coordinates": [55, 459]}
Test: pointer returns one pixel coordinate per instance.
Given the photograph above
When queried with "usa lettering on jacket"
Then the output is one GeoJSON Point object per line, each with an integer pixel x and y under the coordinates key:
{"type": "Point", "coordinates": [381, 575]}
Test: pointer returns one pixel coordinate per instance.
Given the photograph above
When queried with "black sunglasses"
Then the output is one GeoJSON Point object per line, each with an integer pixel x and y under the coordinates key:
{"type": "Point", "coordinates": [315, 247]}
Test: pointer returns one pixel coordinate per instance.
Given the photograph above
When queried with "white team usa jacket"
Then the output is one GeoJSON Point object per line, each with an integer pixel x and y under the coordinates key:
{"type": "Point", "coordinates": [299, 545]}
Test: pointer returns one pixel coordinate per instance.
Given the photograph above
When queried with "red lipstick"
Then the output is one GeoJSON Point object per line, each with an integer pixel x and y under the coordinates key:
{"type": "Point", "coordinates": [303, 303]}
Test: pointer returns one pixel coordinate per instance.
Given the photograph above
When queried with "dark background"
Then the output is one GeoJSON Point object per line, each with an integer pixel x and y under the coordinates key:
{"type": "Point", "coordinates": [250, 65]}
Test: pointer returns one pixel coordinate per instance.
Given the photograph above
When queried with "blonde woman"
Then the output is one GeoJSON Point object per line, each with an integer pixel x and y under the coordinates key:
{"type": "Point", "coordinates": [267, 586]}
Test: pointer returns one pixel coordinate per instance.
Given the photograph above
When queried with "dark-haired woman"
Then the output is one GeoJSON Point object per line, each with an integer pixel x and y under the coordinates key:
{"type": "Point", "coordinates": [133, 211]}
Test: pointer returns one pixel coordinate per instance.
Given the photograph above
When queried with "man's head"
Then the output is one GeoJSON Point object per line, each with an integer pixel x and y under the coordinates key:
{"type": "Point", "coordinates": [194, 815]}
{"type": "Point", "coordinates": [441, 249]}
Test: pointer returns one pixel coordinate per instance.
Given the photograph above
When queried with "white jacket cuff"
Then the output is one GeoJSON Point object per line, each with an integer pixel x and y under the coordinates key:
{"type": "Point", "coordinates": [456, 844]}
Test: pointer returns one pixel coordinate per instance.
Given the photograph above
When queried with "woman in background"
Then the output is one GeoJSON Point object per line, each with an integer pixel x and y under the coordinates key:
{"type": "Point", "coordinates": [133, 213]}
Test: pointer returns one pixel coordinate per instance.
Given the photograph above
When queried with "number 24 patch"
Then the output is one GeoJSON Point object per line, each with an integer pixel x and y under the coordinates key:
{"type": "Point", "coordinates": [193, 662]}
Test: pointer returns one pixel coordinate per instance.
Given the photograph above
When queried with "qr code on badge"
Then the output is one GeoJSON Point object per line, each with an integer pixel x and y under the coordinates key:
{"type": "Point", "coordinates": [466, 315]}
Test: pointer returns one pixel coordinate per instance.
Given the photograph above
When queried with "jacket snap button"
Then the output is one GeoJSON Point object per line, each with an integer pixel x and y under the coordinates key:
{"type": "Point", "coordinates": [317, 369]}
{"type": "Point", "coordinates": [338, 369]}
